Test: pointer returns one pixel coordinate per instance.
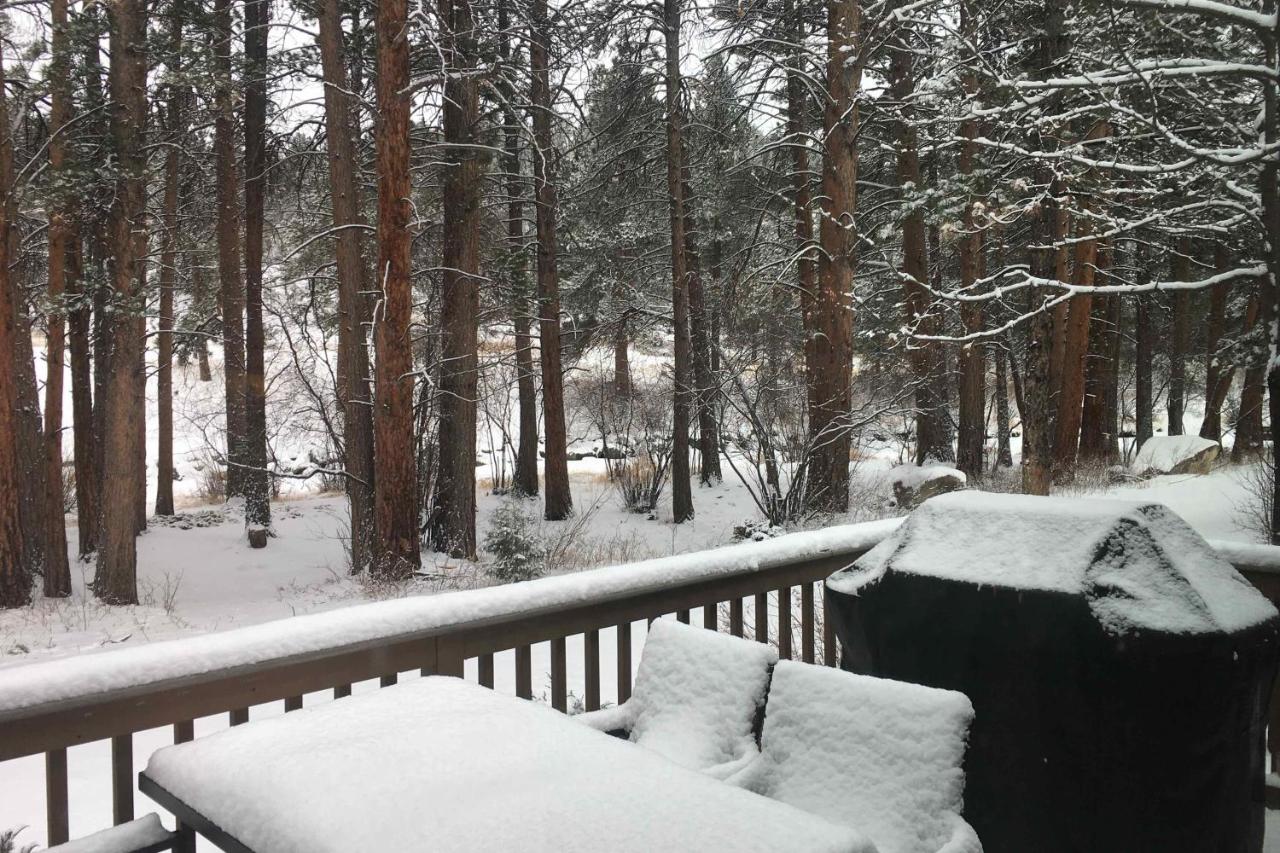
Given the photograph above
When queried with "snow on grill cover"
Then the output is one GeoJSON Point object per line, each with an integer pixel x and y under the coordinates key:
{"type": "Point", "coordinates": [1119, 668]}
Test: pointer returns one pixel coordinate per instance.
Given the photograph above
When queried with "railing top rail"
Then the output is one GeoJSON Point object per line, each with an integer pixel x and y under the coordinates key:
{"type": "Point", "coordinates": [83, 681]}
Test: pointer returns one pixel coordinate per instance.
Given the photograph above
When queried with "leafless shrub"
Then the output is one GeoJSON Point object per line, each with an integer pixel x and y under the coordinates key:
{"type": "Point", "coordinates": [1254, 513]}
{"type": "Point", "coordinates": [9, 842]}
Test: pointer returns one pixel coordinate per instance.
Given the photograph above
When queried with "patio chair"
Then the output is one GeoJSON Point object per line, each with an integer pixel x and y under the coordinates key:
{"type": "Point", "coordinates": [697, 698]}
{"type": "Point", "coordinates": [881, 756]}
{"type": "Point", "coordinates": [144, 835]}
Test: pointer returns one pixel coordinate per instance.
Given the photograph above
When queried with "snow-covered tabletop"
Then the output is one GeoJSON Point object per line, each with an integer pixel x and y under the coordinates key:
{"type": "Point", "coordinates": [440, 764]}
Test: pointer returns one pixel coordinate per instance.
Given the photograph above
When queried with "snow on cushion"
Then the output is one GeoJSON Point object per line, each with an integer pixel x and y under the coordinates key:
{"type": "Point", "coordinates": [697, 693]}
{"type": "Point", "coordinates": [145, 832]}
{"type": "Point", "coordinates": [881, 756]}
{"type": "Point", "coordinates": [1138, 565]}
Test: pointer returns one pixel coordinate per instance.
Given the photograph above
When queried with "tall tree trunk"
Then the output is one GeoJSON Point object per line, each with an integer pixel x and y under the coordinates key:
{"type": "Point", "coordinates": [231, 295]}
{"type": "Point", "coordinates": [1143, 402]}
{"type": "Point", "coordinates": [1248, 426]}
{"type": "Point", "coordinates": [82, 421]}
{"type": "Point", "coordinates": [15, 579]}
{"type": "Point", "coordinates": [622, 357]}
{"type": "Point", "coordinates": [57, 572]}
{"type": "Point", "coordinates": [1097, 431]}
{"type": "Point", "coordinates": [116, 578]}
{"type": "Point", "coordinates": [682, 370]}
{"type": "Point", "coordinates": [558, 502]}
{"type": "Point", "coordinates": [802, 195]}
{"type": "Point", "coordinates": [353, 304]}
{"type": "Point", "coordinates": [1047, 228]}
{"type": "Point", "coordinates": [454, 516]}
{"type": "Point", "coordinates": [830, 395]}
{"type": "Point", "coordinates": [176, 120]}
{"type": "Point", "coordinates": [526, 473]}
{"type": "Point", "coordinates": [1004, 450]}
{"type": "Point", "coordinates": [257, 481]}
{"type": "Point", "coordinates": [933, 432]}
{"type": "Point", "coordinates": [397, 551]}
{"type": "Point", "coordinates": [704, 380]}
{"type": "Point", "coordinates": [1075, 348]}
{"type": "Point", "coordinates": [31, 442]}
{"type": "Point", "coordinates": [1181, 269]}
{"type": "Point", "coordinates": [972, 433]}
{"type": "Point", "coordinates": [1217, 377]}
{"type": "Point", "coordinates": [202, 342]}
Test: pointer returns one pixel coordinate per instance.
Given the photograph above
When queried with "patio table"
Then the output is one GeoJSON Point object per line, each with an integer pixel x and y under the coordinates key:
{"type": "Point", "coordinates": [439, 764]}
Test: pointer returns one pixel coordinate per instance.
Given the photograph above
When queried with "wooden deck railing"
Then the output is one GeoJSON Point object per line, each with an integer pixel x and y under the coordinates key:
{"type": "Point", "coordinates": [775, 598]}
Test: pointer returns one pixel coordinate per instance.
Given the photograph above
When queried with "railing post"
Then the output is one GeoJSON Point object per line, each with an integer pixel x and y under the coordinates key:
{"type": "Point", "coordinates": [559, 677]}
{"type": "Point", "coordinates": [122, 778]}
{"type": "Point", "coordinates": [624, 661]}
{"type": "Point", "coordinates": [591, 665]}
{"type": "Point", "coordinates": [55, 789]}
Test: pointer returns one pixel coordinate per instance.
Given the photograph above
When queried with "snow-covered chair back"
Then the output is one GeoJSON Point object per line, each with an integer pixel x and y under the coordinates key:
{"type": "Point", "coordinates": [696, 697]}
{"type": "Point", "coordinates": [878, 755]}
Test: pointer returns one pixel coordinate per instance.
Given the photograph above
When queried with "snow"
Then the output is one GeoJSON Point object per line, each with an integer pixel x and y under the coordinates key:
{"type": "Point", "coordinates": [696, 697]}
{"type": "Point", "coordinates": [86, 675]}
{"type": "Point", "coordinates": [126, 837]}
{"type": "Point", "coordinates": [1161, 453]}
{"type": "Point", "coordinates": [881, 755]}
{"type": "Point", "coordinates": [438, 763]}
{"type": "Point", "coordinates": [914, 476]}
{"type": "Point", "coordinates": [1138, 565]}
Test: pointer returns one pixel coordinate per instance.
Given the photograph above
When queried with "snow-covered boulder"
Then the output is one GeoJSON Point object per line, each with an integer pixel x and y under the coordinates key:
{"type": "Point", "coordinates": [1176, 454]}
{"type": "Point", "coordinates": [915, 484]}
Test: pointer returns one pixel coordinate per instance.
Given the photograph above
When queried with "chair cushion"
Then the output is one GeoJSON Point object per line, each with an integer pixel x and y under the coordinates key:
{"type": "Point", "coordinates": [878, 755]}
{"type": "Point", "coordinates": [697, 694]}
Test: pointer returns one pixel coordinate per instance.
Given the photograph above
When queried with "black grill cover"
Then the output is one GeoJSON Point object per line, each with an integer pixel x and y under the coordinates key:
{"type": "Point", "coordinates": [1087, 737]}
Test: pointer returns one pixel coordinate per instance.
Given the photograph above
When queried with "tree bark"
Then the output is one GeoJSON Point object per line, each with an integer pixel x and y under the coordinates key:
{"type": "Point", "coordinates": [353, 304]}
{"type": "Point", "coordinates": [453, 527]}
{"type": "Point", "coordinates": [116, 578]}
{"type": "Point", "coordinates": [705, 386]}
{"type": "Point", "coordinates": [972, 433]}
{"type": "Point", "coordinates": [82, 420]}
{"type": "Point", "coordinates": [1004, 451]}
{"type": "Point", "coordinates": [57, 572]}
{"type": "Point", "coordinates": [682, 369]}
{"type": "Point", "coordinates": [558, 501]}
{"type": "Point", "coordinates": [829, 391]}
{"type": "Point", "coordinates": [176, 120]}
{"type": "Point", "coordinates": [526, 473]}
{"type": "Point", "coordinates": [231, 293]}
{"type": "Point", "coordinates": [1248, 426]}
{"type": "Point", "coordinates": [933, 432]}
{"type": "Point", "coordinates": [1176, 403]}
{"type": "Point", "coordinates": [1098, 416]}
{"type": "Point", "coordinates": [1046, 261]}
{"type": "Point", "coordinates": [1075, 348]}
{"type": "Point", "coordinates": [397, 551]}
{"type": "Point", "coordinates": [1217, 382]}
{"type": "Point", "coordinates": [15, 579]}
{"type": "Point", "coordinates": [1143, 382]}
{"type": "Point", "coordinates": [256, 481]}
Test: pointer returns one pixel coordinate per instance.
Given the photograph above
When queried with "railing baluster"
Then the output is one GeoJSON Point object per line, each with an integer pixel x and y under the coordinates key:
{"type": "Point", "coordinates": [524, 672]}
{"type": "Point", "coordinates": [183, 731]}
{"type": "Point", "coordinates": [485, 667]}
{"type": "Point", "coordinates": [683, 616]}
{"type": "Point", "coordinates": [828, 631]}
{"type": "Point", "coordinates": [55, 794]}
{"type": "Point", "coordinates": [239, 716]}
{"type": "Point", "coordinates": [342, 691]}
{"type": "Point", "coordinates": [806, 622]}
{"type": "Point", "coordinates": [784, 623]}
{"type": "Point", "coordinates": [624, 662]}
{"type": "Point", "coordinates": [559, 677]}
{"type": "Point", "coordinates": [762, 617]}
{"type": "Point", "coordinates": [389, 680]}
{"type": "Point", "coordinates": [292, 703]}
{"type": "Point", "coordinates": [591, 663]}
{"type": "Point", "coordinates": [735, 617]}
{"type": "Point", "coordinates": [711, 616]}
{"type": "Point", "coordinates": [122, 778]}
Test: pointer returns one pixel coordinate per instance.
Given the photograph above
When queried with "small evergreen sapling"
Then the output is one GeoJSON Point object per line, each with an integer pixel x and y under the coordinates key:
{"type": "Point", "coordinates": [514, 543]}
